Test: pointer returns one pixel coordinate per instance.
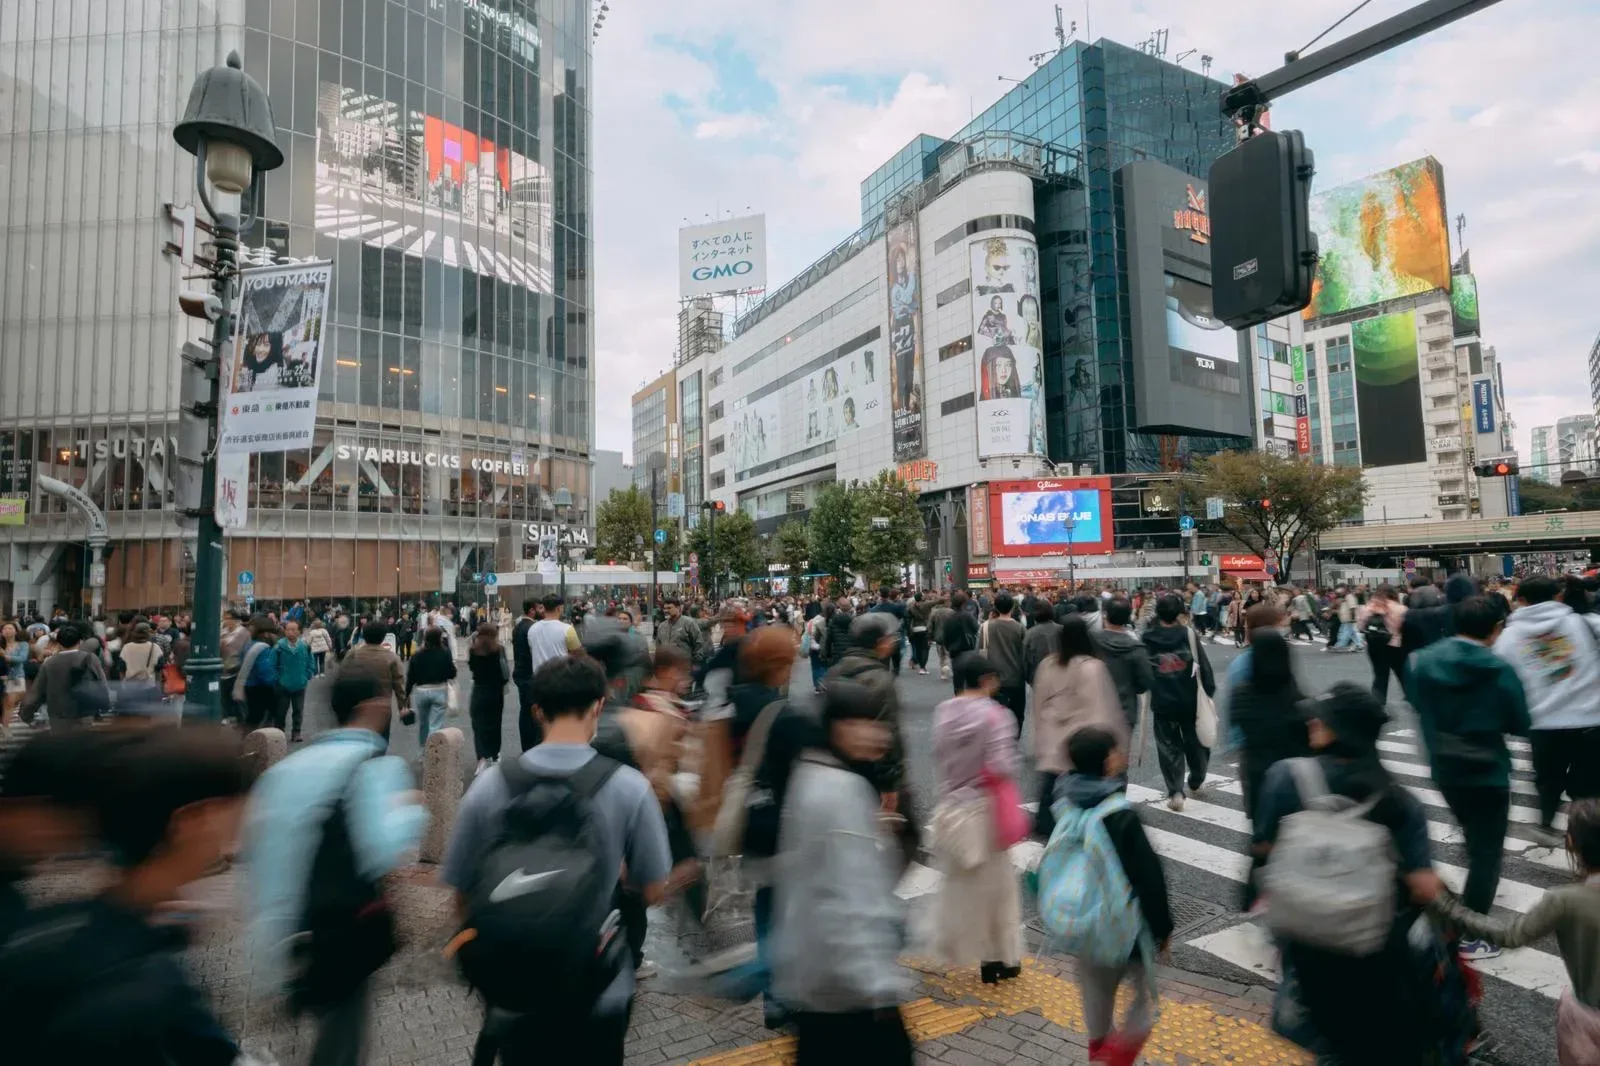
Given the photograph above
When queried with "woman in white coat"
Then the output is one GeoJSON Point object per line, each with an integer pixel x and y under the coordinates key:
{"type": "Point", "coordinates": [1071, 689]}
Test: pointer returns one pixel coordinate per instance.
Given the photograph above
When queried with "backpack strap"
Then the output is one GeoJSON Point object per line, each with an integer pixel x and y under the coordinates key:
{"type": "Point", "coordinates": [1312, 785]}
{"type": "Point", "coordinates": [586, 780]}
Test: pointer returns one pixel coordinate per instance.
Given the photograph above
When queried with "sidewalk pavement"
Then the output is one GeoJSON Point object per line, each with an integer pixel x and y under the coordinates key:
{"type": "Point", "coordinates": [422, 1013]}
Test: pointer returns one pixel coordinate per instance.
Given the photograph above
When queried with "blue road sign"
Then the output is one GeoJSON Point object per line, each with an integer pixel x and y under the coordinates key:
{"type": "Point", "coordinates": [661, 536]}
{"type": "Point", "coordinates": [491, 580]}
{"type": "Point", "coordinates": [1185, 523]}
{"type": "Point", "coordinates": [246, 577]}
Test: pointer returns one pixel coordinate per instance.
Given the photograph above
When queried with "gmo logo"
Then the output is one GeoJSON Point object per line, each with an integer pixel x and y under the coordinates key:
{"type": "Point", "coordinates": [723, 270]}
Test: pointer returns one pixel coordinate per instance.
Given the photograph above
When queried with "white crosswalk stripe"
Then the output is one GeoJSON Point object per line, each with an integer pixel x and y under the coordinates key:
{"type": "Point", "coordinates": [1212, 834]}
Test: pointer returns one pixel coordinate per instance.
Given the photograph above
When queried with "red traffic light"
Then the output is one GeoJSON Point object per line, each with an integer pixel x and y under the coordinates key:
{"type": "Point", "coordinates": [719, 506]}
{"type": "Point", "coordinates": [1266, 505]}
{"type": "Point", "coordinates": [1502, 469]}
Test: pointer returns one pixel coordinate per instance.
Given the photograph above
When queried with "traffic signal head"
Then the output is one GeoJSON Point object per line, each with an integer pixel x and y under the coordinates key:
{"type": "Point", "coordinates": [1496, 468]}
{"type": "Point", "coordinates": [719, 507]}
{"type": "Point", "coordinates": [1263, 253]}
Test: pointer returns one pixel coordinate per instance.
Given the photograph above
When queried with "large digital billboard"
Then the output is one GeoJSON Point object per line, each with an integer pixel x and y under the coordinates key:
{"type": "Point", "coordinates": [1008, 334]}
{"type": "Point", "coordinates": [394, 178]}
{"type": "Point", "coordinates": [1464, 304]}
{"type": "Point", "coordinates": [1380, 238]}
{"type": "Point", "coordinates": [1388, 390]}
{"type": "Point", "coordinates": [1191, 327]}
{"type": "Point", "coordinates": [1049, 516]}
{"type": "Point", "coordinates": [905, 338]}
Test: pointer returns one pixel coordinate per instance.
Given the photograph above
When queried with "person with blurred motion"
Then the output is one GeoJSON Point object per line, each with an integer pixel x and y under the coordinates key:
{"type": "Point", "coordinates": [1264, 708]}
{"type": "Point", "coordinates": [919, 624]}
{"type": "Point", "coordinates": [46, 809]}
{"type": "Point", "coordinates": [428, 676]}
{"type": "Point", "coordinates": [1072, 690]}
{"type": "Point", "coordinates": [102, 979]}
{"type": "Point", "coordinates": [15, 654]}
{"type": "Point", "coordinates": [1385, 990]}
{"type": "Point", "coordinates": [371, 657]}
{"type": "Point", "coordinates": [486, 660]}
{"type": "Point", "coordinates": [816, 635]}
{"type": "Point", "coordinates": [70, 686]}
{"type": "Point", "coordinates": [939, 618]}
{"type": "Point", "coordinates": [682, 633]}
{"type": "Point", "coordinates": [256, 688]}
{"type": "Point", "coordinates": [874, 638]}
{"type": "Point", "coordinates": [1556, 654]}
{"type": "Point", "coordinates": [522, 674]}
{"type": "Point", "coordinates": [295, 669]}
{"type": "Point", "coordinates": [1382, 621]}
{"type": "Point", "coordinates": [1125, 657]}
{"type": "Point", "coordinates": [325, 826]}
{"type": "Point", "coordinates": [1467, 699]}
{"type": "Point", "coordinates": [232, 644]}
{"type": "Point", "coordinates": [1041, 640]}
{"type": "Point", "coordinates": [140, 659]}
{"type": "Point", "coordinates": [505, 809]}
{"type": "Point", "coordinates": [320, 643]}
{"type": "Point", "coordinates": [717, 676]}
{"type": "Point", "coordinates": [1180, 669]}
{"type": "Point", "coordinates": [978, 913]}
{"type": "Point", "coordinates": [838, 923]}
{"type": "Point", "coordinates": [836, 640]}
{"type": "Point", "coordinates": [1001, 640]}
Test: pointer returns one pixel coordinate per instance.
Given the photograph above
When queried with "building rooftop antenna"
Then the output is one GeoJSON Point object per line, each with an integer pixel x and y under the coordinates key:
{"type": "Point", "coordinates": [1063, 35]}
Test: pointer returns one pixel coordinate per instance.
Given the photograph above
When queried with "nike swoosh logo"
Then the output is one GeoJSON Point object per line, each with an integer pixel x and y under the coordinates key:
{"type": "Point", "coordinates": [518, 883]}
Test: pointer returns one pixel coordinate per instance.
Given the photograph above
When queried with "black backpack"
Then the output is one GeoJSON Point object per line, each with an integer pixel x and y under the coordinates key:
{"type": "Point", "coordinates": [347, 929]}
{"type": "Point", "coordinates": [542, 932]}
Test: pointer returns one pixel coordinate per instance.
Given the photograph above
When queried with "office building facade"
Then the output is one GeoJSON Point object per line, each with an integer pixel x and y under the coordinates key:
{"type": "Point", "coordinates": [437, 153]}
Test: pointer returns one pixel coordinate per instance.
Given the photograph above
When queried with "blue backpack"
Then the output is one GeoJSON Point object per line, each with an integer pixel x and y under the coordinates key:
{"type": "Point", "coordinates": [1085, 899]}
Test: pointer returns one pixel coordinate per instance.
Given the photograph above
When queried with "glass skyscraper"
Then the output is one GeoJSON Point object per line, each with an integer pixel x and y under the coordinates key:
{"type": "Point", "coordinates": [437, 152]}
{"type": "Point", "coordinates": [1107, 105]}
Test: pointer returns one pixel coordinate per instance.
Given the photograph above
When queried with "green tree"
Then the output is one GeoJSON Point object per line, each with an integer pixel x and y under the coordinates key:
{"type": "Point", "coordinates": [622, 519]}
{"type": "Point", "coordinates": [831, 533]}
{"type": "Point", "coordinates": [887, 528]}
{"type": "Point", "coordinates": [737, 549]}
{"type": "Point", "coordinates": [1536, 496]}
{"type": "Point", "coordinates": [792, 548]}
{"type": "Point", "coordinates": [1277, 504]}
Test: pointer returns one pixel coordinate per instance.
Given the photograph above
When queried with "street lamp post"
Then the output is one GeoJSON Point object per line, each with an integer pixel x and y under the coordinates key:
{"type": "Point", "coordinates": [228, 128]}
{"type": "Point", "coordinates": [1072, 582]}
{"type": "Point", "coordinates": [563, 502]}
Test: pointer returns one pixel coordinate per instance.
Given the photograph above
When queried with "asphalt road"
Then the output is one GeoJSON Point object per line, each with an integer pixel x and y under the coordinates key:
{"type": "Point", "coordinates": [1204, 847]}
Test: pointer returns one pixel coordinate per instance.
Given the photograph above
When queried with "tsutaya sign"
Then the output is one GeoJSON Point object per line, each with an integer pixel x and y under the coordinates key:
{"type": "Point", "coordinates": [442, 460]}
{"type": "Point", "coordinates": [120, 445]}
{"type": "Point", "coordinates": [563, 535]}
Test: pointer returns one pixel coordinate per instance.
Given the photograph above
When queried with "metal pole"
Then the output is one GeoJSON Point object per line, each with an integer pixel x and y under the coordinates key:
{"type": "Point", "coordinates": [650, 622]}
{"type": "Point", "coordinates": [711, 553]}
{"type": "Point", "coordinates": [1183, 541]}
{"type": "Point", "coordinates": [204, 667]}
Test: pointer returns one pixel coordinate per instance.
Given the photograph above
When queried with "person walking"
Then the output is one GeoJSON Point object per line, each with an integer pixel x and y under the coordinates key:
{"type": "Point", "coordinates": [1001, 640]}
{"type": "Point", "coordinates": [429, 674]}
{"type": "Point", "coordinates": [256, 688]}
{"type": "Point", "coordinates": [370, 655]}
{"type": "Point", "coordinates": [889, 604]}
{"type": "Point", "coordinates": [838, 930]}
{"type": "Point", "coordinates": [1071, 691]}
{"type": "Point", "coordinates": [295, 668]}
{"type": "Point", "coordinates": [1199, 610]}
{"type": "Point", "coordinates": [1041, 641]}
{"type": "Point", "coordinates": [320, 643]}
{"type": "Point", "coordinates": [816, 635]}
{"type": "Point", "coordinates": [978, 913]}
{"type": "Point", "coordinates": [1125, 657]}
{"type": "Point", "coordinates": [836, 643]}
{"type": "Point", "coordinates": [70, 685]}
{"type": "Point", "coordinates": [140, 658]}
{"type": "Point", "coordinates": [938, 620]}
{"type": "Point", "coordinates": [486, 660]}
{"type": "Point", "coordinates": [1381, 621]}
{"type": "Point", "coordinates": [231, 646]}
{"type": "Point", "coordinates": [1556, 654]}
{"type": "Point", "coordinates": [15, 654]}
{"type": "Point", "coordinates": [522, 674]}
{"type": "Point", "coordinates": [1180, 671]}
{"type": "Point", "coordinates": [919, 619]}
{"type": "Point", "coordinates": [1467, 699]}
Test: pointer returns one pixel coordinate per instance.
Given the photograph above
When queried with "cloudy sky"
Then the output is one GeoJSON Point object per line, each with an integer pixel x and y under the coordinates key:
{"type": "Point", "coordinates": [708, 107]}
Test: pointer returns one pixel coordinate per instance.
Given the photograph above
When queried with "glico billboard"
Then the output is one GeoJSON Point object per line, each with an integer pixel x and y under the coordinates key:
{"type": "Point", "coordinates": [1049, 516]}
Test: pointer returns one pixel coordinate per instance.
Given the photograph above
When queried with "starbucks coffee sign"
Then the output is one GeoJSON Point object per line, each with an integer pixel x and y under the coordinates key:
{"type": "Point", "coordinates": [386, 454]}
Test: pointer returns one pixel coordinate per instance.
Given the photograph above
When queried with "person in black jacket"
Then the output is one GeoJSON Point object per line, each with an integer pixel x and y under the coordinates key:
{"type": "Point", "coordinates": [1097, 767]}
{"type": "Point", "coordinates": [529, 731]}
{"type": "Point", "coordinates": [487, 661]}
{"type": "Point", "coordinates": [836, 638]}
{"type": "Point", "coordinates": [1173, 695]}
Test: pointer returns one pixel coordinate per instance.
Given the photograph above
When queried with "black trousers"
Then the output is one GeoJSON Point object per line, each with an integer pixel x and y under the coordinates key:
{"type": "Point", "coordinates": [1176, 745]}
{"type": "Point", "coordinates": [261, 707]}
{"type": "Point", "coordinates": [529, 730]}
{"type": "Point", "coordinates": [875, 1036]}
{"type": "Point", "coordinates": [486, 714]}
{"type": "Point", "coordinates": [1385, 661]}
{"type": "Point", "coordinates": [1015, 699]}
{"type": "Point", "coordinates": [342, 1031]}
{"type": "Point", "coordinates": [1564, 760]}
{"type": "Point", "coordinates": [919, 650]}
{"type": "Point", "coordinates": [1482, 813]}
{"type": "Point", "coordinates": [541, 1042]}
{"type": "Point", "coordinates": [1044, 819]}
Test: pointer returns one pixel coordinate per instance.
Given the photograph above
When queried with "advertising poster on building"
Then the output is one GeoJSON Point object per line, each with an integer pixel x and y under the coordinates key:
{"type": "Point", "coordinates": [1483, 405]}
{"type": "Point", "coordinates": [842, 397]}
{"type": "Point", "coordinates": [725, 256]}
{"type": "Point", "coordinates": [271, 377]}
{"type": "Point", "coordinates": [1051, 516]}
{"type": "Point", "coordinates": [1008, 337]}
{"type": "Point", "coordinates": [757, 432]}
{"type": "Point", "coordinates": [1380, 238]}
{"type": "Point", "coordinates": [1464, 304]}
{"type": "Point", "coordinates": [16, 477]}
{"type": "Point", "coordinates": [978, 521]}
{"type": "Point", "coordinates": [905, 339]}
{"type": "Point", "coordinates": [1388, 390]}
{"type": "Point", "coordinates": [1302, 406]}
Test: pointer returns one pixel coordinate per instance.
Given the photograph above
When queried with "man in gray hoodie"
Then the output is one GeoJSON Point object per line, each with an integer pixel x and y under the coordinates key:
{"type": "Point", "coordinates": [1125, 657]}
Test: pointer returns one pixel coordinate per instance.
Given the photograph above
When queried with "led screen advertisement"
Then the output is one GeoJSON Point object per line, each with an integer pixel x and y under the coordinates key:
{"type": "Point", "coordinates": [1191, 327]}
{"type": "Point", "coordinates": [1388, 390]}
{"type": "Point", "coordinates": [1464, 304]}
{"type": "Point", "coordinates": [1008, 336]}
{"type": "Point", "coordinates": [905, 338]}
{"type": "Point", "coordinates": [1380, 238]}
{"type": "Point", "coordinates": [393, 178]}
{"type": "Point", "coordinates": [1045, 517]}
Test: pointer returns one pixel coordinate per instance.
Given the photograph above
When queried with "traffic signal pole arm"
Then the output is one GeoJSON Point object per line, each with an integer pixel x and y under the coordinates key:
{"type": "Point", "coordinates": [1300, 71]}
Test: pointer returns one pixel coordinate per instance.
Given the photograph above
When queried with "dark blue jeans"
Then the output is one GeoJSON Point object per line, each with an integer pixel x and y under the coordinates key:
{"type": "Point", "coordinates": [755, 978]}
{"type": "Point", "coordinates": [818, 669]}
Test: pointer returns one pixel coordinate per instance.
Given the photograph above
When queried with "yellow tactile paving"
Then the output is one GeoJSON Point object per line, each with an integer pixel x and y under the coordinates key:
{"type": "Point", "coordinates": [1190, 1030]}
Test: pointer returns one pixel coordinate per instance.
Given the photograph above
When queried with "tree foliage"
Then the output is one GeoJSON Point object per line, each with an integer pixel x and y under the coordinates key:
{"type": "Point", "coordinates": [1536, 496]}
{"type": "Point", "coordinates": [1274, 504]}
{"type": "Point", "coordinates": [622, 520]}
{"type": "Point", "coordinates": [737, 549]}
{"type": "Point", "coordinates": [792, 548]}
{"type": "Point", "coordinates": [831, 532]}
{"type": "Point", "coordinates": [880, 552]}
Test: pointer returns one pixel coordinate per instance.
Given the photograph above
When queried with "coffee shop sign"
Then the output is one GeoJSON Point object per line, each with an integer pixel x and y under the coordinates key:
{"type": "Point", "coordinates": [441, 460]}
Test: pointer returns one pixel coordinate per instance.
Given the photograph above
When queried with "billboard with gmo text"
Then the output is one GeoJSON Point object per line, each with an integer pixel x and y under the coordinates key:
{"type": "Point", "coordinates": [1380, 238]}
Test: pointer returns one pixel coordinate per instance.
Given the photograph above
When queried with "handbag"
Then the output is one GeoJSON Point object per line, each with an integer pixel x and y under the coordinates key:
{"type": "Point", "coordinates": [173, 683]}
{"type": "Point", "coordinates": [1005, 804]}
{"type": "Point", "coordinates": [452, 700]}
{"type": "Point", "coordinates": [962, 829]}
{"type": "Point", "coordinates": [1205, 708]}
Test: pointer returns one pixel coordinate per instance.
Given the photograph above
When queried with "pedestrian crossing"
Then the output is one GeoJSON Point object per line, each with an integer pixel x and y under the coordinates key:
{"type": "Point", "coordinates": [1210, 839]}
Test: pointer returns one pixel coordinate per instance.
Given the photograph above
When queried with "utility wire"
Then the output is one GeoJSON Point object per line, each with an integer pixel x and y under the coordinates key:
{"type": "Point", "coordinates": [1297, 53]}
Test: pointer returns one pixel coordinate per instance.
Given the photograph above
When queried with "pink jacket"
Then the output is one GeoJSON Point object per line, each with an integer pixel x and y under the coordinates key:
{"type": "Point", "coordinates": [1067, 698]}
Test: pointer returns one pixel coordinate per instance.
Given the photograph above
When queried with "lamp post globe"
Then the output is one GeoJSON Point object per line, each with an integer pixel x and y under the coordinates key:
{"type": "Point", "coordinates": [228, 128]}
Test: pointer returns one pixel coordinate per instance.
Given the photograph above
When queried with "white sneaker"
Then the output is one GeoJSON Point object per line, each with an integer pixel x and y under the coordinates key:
{"type": "Point", "coordinates": [648, 969]}
{"type": "Point", "coordinates": [1478, 950]}
{"type": "Point", "coordinates": [1175, 802]}
{"type": "Point", "coordinates": [483, 764]}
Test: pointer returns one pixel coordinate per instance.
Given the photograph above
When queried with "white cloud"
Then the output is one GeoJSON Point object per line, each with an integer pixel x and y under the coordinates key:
{"type": "Point", "coordinates": [1515, 145]}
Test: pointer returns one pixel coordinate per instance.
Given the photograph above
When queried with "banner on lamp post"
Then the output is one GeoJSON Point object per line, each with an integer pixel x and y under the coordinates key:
{"type": "Point", "coordinates": [233, 490]}
{"type": "Point", "coordinates": [271, 378]}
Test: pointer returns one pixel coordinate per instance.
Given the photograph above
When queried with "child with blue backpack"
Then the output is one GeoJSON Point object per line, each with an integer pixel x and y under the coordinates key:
{"type": "Point", "coordinates": [1103, 895]}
